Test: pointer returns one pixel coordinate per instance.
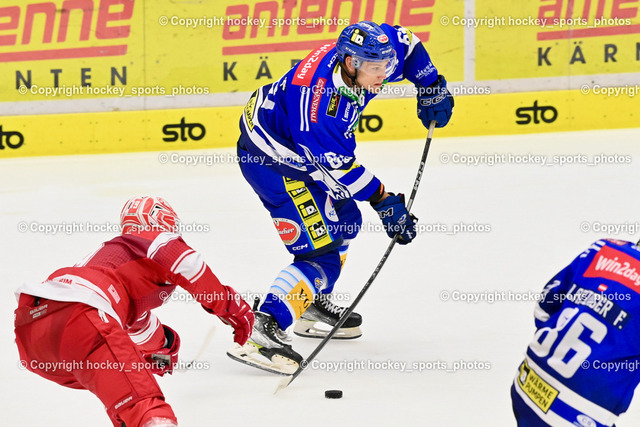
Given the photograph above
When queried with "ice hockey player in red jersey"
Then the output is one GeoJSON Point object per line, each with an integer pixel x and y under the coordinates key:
{"type": "Point", "coordinates": [92, 323]}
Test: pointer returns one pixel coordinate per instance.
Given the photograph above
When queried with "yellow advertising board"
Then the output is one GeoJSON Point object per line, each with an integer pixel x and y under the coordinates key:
{"type": "Point", "coordinates": [545, 38]}
{"type": "Point", "coordinates": [61, 43]}
{"type": "Point", "coordinates": [98, 56]}
{"type": "Point", "coordinates": [384, 119]}
{"type": "Point", "coordinates": [78, 49]}
{"type": "Point", "coordinates": [122, 131]}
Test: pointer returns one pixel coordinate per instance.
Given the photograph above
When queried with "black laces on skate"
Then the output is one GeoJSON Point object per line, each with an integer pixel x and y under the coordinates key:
{"type": "Point", "coordinates": [324, 301]}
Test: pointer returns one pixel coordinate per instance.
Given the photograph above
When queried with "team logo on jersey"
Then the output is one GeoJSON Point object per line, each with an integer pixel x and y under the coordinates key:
{"type": "Point", "coordinates": [288, 230]}
{"type": "Point", "coordinates": [335, 188]}
{"type": "Point", "coordinates": [334, 103]}
{"type": "Point", "coordinates": [358, 37]}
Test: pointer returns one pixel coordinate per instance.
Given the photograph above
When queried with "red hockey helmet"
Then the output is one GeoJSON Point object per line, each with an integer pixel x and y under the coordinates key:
{"type": "Point", "coordinates": [148, 214]}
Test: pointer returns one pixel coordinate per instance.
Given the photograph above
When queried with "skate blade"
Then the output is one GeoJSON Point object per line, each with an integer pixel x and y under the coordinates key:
{"type": "Point", "coordinates": [310, 329]}
{"type": "Point", "coordinates": [250, 355]}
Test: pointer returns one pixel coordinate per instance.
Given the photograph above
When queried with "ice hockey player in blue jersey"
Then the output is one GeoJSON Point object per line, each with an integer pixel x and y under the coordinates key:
{"type": "Point", "coordinates": [297, 151]}
{"type": "Point", "coordinates": [583, 364]}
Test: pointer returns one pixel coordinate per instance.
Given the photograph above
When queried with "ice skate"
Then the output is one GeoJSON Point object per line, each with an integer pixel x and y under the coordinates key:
{"type": "Point", "coordinates": [323, 312]}
{"type": "Point", "coordinates": [267, 348]}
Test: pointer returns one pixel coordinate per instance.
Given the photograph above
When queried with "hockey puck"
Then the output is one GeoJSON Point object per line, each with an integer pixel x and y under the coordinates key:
{"type": "Point", "coordinates": [333, 394]}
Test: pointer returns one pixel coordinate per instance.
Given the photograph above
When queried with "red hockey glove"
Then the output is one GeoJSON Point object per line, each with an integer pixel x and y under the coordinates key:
{"type": "Point", "coordinates": [239, 316]}
{"type": "Point", "coordinates": [166, 358]}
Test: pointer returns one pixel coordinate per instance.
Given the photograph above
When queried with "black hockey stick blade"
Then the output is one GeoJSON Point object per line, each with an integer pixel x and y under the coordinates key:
{"type": "Point", "coordinates": [284, 382]}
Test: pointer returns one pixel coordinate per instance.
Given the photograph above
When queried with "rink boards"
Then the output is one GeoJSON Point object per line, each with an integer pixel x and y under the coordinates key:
{"type": "Point", "coordinates": [384, 119]}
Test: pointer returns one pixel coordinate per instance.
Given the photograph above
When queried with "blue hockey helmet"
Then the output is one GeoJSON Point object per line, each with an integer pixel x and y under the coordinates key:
{"type": "Point", "coordinates": [365, 41]}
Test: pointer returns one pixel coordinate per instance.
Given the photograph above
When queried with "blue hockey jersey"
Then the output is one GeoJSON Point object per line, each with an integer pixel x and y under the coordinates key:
{"type": "Point", "coordinates": [584, 362]}
{"type": "Point", "coordinates": [303, 124]}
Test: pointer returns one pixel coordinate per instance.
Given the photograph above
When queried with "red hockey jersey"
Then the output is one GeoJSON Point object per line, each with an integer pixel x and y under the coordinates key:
{"type": "Point", "coordinates": [132, 274]}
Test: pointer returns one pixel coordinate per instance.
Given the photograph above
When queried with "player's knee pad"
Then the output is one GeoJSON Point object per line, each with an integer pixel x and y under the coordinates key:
{"type": "Point", "coordinates": [343, 255]}
{"type": "Point", "coordinates": [295, 288]}
{"type": "Point", "coordinates": [322, 270]}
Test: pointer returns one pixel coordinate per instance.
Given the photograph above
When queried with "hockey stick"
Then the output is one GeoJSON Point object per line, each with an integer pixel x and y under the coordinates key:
{"type": "Point", "coordinates": [284, 382]}
{"type": "Point", "coordinates": [205, 343]}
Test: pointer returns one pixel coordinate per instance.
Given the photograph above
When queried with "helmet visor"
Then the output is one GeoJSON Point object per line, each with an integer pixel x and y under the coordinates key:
{"type": "Point", "coordinates": [376, 67]}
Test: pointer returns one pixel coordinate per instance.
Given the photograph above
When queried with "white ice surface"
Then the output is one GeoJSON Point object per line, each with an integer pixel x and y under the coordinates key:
{"type": "Point", "coordinates": [534, 214]}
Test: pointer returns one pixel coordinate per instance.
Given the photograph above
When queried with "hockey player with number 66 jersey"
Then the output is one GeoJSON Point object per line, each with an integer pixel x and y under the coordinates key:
{"type": "Point", "coordinates": [583, 364]}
